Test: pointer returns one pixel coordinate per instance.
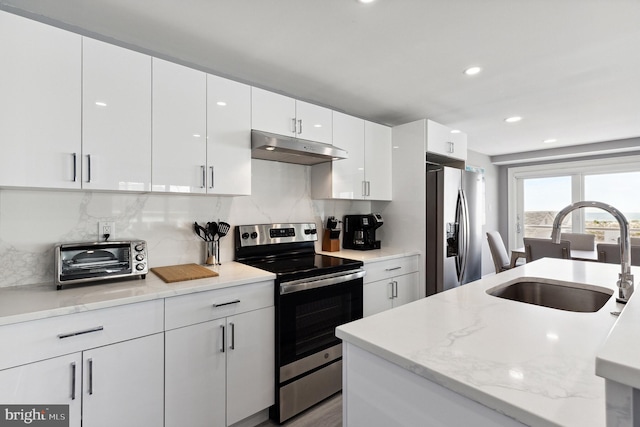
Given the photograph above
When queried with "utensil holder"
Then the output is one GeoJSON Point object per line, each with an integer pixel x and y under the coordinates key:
{"type": "Point", "coordinates": [210, 250]}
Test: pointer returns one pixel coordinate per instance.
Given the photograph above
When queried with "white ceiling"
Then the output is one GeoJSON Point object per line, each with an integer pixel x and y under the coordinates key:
{"type": "Point", "coordinates": [570, 68]}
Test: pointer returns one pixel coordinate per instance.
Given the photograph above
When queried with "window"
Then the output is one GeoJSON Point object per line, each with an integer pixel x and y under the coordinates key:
{"type": "Point", "coordinates": [537, 193]}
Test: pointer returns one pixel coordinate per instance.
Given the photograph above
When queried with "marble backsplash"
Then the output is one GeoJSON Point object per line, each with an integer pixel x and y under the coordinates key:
{"type": "Point", "coordinates": [32, 222]}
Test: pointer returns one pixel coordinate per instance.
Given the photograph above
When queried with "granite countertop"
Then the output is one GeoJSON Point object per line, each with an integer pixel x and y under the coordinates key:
{"type": "Point", "coordinates": [532, 363]}
{"type": "Point", "coordinates": [32, 302]}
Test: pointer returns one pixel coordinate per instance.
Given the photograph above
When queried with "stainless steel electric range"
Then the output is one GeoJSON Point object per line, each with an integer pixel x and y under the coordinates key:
{"type": "Point", "coordinates": [313, 295]}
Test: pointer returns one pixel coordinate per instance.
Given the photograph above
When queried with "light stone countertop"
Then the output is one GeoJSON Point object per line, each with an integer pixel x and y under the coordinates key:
{"type": "Point", "coordinates": [532, 363]}
{"type": "Point", "coordinates": [374, 255]}
{"type": "Point", "coordinates": [32, 302]}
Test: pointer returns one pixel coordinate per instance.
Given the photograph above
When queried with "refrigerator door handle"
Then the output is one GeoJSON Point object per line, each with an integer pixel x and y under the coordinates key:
{"type": "Point", "coordinates": [464, 226]}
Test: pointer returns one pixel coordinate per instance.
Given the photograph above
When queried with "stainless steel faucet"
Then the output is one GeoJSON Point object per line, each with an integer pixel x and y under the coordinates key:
{"type": "Point", "coordinates": [625, 278]}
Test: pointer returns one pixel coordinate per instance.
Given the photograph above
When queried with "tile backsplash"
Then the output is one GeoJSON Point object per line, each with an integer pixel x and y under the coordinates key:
{"type": "Point", "coordinates": [32, 222]}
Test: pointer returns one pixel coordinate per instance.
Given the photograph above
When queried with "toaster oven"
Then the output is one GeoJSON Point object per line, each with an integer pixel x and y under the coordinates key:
{"type": "Point", "coordinates": [82, 263]}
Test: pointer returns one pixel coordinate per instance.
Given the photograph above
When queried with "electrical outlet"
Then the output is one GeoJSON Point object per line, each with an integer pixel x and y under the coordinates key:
{"type": "Point", "coordinates": [106, 227]}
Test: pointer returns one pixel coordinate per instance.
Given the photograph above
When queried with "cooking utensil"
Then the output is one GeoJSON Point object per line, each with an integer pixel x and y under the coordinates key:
{"type": "Point", "coordinates": [332, 222]}
{"type": "Point", "coordinates": [212, 228]}
{"type": "Point", "coordinates": [223, 229]}
{"type": "Point", "coordinates": [200, 231]}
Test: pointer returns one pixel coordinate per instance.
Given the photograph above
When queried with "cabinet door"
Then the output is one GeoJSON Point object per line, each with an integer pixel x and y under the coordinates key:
{"type": "Point", "coordinates": [313, 122]}
{"type": "Point", "coordinates": [377, 297]}
{"type": "Point", "coordinates": [195, 375]}
{"type": "Point", "coordinates": [49, 382]}
{"type": "Point", "coordinates": [272, 112]}
{"type": "Point", "coordinates": [40, 87]}
{"type": "Point", "coordinates": [179, 128]}
{"type": "Point", "coordinates": [440, 140]}
{"type": "Point", "coordinates": [228, 137]}
{"type": "Point", "coordinates": [377, 161]}
{"type": "Point", "coordinates": [348, 174]}
{"type": "Point", "coordinates": [123, 384]}
{"type": "Point", "coordinates": [116, 121]}
{"type": "Point", "coordinates": [406, 289]}
{"type": "Point", "coordinates": [250, 363]}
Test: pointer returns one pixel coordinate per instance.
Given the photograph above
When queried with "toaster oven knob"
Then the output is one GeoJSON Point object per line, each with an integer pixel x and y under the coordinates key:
{"type": "Point", "coordinates": [139, 257]}
{"type": "Point", "coordinates": [254, 235]}
{"type": "Point", "coordinates": [139, 267]}
{"type": "Point", "coordinates": [245, 236]}
{"type": "Point", "coordinates": [139, 247]}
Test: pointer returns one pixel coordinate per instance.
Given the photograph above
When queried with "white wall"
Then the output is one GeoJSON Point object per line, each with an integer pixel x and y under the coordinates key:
{"type": "Point", "coordinates": [32, 222]}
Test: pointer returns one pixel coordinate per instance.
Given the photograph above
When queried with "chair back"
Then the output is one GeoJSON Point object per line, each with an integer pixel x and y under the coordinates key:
{"type": "Point", "coordinates": [544, 248]}
{"type": "Point", "coordinates": [580, 241]}
{"type": "Point", "coordinates": [498, 251]}
{"type": "Point", "coordinates": [610, 253]}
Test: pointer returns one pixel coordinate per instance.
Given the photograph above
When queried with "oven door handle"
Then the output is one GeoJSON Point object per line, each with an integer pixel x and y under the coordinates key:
{"type": "Point", "coordinates": [320, 281]}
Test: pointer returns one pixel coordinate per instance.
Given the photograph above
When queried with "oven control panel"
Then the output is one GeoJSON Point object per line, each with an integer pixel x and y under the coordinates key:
{"type": "Point", "coordinates": [268, 234]}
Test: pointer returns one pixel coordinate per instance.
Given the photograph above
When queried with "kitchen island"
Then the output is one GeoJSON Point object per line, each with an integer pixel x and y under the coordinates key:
{"type": "Point", "coordinates": [464, 357]}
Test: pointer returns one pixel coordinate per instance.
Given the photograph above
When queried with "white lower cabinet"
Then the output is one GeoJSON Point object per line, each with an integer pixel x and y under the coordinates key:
{"type": "Point", "coordinates": [107, 365]}
{"type": "Point", "coordinates": [219, 371]}
{"type": "Point", "coordinates": [390, 284]}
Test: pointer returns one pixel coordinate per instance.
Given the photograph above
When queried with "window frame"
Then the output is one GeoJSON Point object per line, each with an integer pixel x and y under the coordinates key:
{"type": "Point", "coordinates": [576, 169]}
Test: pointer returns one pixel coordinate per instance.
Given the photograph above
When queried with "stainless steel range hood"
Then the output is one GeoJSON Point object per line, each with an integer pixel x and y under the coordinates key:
{"type": "Point", "coordinates": [280, 148]}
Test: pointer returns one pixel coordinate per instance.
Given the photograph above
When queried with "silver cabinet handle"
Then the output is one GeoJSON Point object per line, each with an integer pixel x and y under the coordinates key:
{"type": "Point", "coordinates": [204, 176]}
{"type": "Point", "coordinates": [236, 301]}
{"type": "Point", "coordinates": [395, 289]}
{"type": "Point", "coordinates": [223, 338]}
{"type": "Point", "coordinates": [88, 167]}
{"type": "Point", "coordinates": [212, 183]}
{"type": "Point", "coordinates": [368, 188]}
{"type": "Point", "coordinates": [75, 166]}
{"type": "Point", "coordinates": [364, 188]}
{"type": "Point", "coordinates": [90, 362]}
{"type": "Point", "coordinates": [393, 268]}
{"type": "Point", "coordinates": [85, 331]}
{"type": "Point", "coordinates": [73, 380]}
{"type": "Point", "coordinates": [233, 336]}
{"type": "Point", "coordinates": [451, 147]}
{"type": "Point", "coordinates": [293, 125]}
{"type": "Point", "coordinates": [300, 125]}
{"type": "Point", "coordinates": [390, 293]}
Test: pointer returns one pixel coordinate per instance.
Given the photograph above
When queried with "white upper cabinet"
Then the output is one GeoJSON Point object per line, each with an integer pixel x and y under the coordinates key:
{"type": "Point", "coordinates": [116, 120]}
{"type": "Point", "coordinates": [40, 99]}
{"type": "Point", "coordinates": [179, 128]}
{"type": "Point", "coordinates": [228, 137]}
{"type": "Point", "coordinates": [377, 155]}
{"type": "Point", "coordinates": [279, 114]}
{"type": "Point", "coordinates": [441, 141]}
{"type": "Point", "coordinates": [313, 122]}
{"type": "Point", "coordinates": [366, 173]}
{"type": "Point", "coordinates": [272, 112]}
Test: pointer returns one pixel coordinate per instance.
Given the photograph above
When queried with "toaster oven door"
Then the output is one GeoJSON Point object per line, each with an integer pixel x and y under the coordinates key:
{"type": "Point", "coordinates": [86, 263]}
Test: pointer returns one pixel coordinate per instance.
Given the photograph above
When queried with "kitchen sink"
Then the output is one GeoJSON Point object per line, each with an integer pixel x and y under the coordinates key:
{"type": "Point", "coordinates": [558, 295]}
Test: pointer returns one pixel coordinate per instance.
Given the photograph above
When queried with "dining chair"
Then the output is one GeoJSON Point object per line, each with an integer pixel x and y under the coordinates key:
{"type": "Point", "coordinates": [544, 248]}
{"type": "Point", "coordinates": [580, 241]}
{"type": "Point", "coordinates": [610, 253]}
{"type": "Point", "coordinates": [499, 253]}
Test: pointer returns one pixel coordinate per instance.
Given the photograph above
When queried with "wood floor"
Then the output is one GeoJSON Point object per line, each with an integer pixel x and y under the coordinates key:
{"type": "Point", "coordinates": [325, 414]}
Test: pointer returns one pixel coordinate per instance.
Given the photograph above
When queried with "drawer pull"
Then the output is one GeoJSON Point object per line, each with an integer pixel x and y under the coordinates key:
{"type": "Point", "coordinates": [73, 380]}
{"type": "Point", "coordinates": [86, 331]}
{"type": "Point", "coordinates": [393, 268]}
{"type": "Point", "coordinates": [236, 301]}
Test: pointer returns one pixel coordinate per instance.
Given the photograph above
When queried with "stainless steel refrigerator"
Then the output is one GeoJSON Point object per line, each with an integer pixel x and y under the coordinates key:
{"type": "Point", "coordinates": [454, 228]}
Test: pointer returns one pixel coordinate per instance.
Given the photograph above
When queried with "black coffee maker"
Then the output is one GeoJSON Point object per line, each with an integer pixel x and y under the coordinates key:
{"type": "Point", "coordinates": [360, 231]}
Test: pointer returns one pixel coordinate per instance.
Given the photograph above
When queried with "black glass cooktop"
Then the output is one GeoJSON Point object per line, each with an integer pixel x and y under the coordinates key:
{"type": "Point", "coordinates": [307, 265]}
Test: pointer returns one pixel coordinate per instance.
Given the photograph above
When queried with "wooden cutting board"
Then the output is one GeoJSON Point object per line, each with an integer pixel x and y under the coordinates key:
{"type": "Point", "coordinates": [179, 273]}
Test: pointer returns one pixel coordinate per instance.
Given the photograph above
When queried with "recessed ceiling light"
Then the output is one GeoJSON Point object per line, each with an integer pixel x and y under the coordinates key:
{"type": "Point", "coordinates": [455, 131]}
{"type": "Point", "coordinates": [472, 71]}
{"type": "Point", "coordinates": [513, 119]}
{"type": "Point", "coordinates": [549, 141]}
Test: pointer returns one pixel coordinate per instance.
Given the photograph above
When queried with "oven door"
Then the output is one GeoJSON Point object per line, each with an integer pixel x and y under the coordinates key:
{"type": "Point", "coordinates": [311, 309]}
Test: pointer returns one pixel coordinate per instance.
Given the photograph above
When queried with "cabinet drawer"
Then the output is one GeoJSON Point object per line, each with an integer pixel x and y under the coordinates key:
{"type": "Point", "coordinates": [55, 336]}
{"type": "Point", "coordinates": [203, 306]}
{"type": "Point", "coordinates": [385, 269]}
